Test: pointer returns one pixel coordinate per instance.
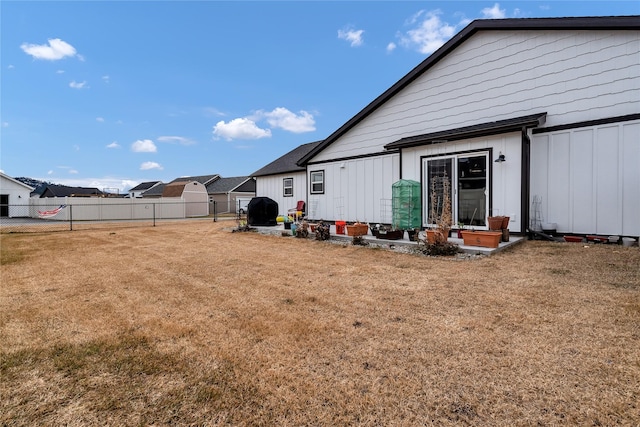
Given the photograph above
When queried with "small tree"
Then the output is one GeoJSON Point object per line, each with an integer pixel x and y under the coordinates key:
{"type": "Point", "coordinates": [441, 217]}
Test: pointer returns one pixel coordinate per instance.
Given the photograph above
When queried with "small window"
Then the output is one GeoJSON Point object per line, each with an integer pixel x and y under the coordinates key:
{"type": "Point", "coordinates": [317, 182]}
{"type": "Point", "coordinates": [287, 184]}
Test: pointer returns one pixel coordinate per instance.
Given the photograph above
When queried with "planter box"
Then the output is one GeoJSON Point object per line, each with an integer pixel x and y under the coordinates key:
{"type": "Point", "coordinates": [357, 229]}
{"type": "Point", "coordinates": [486, 239]}
{"type": "Point", "coordinates": [390, 235]}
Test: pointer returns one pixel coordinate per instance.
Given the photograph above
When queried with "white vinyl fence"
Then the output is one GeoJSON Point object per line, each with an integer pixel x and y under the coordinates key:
{"type": "Point", "coordinates": [104, 209]}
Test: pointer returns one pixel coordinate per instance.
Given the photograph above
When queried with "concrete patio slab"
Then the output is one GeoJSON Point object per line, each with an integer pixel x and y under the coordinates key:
{"type": "Point", "coordinates": [474, 250]}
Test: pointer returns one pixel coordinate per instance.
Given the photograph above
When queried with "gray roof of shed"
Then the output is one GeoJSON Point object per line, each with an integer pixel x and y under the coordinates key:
{"type": "Point", "coordinates": [288, 162]}
{"type": "Point", "coordinates": [569, 23]}
{"type": "Point", "coordinates": [202, 179]}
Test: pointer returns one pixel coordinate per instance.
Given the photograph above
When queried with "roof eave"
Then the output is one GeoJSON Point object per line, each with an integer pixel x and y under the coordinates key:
{"type": "Point", "coordinates": [468, 132]}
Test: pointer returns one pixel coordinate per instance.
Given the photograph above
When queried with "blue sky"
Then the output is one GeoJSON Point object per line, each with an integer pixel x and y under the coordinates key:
{"type": "Point", "coordinates": [111, 94]}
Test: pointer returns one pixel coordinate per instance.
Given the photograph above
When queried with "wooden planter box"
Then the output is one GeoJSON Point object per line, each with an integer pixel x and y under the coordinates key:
{"type": "Point", "coordinates": [357, 229]}
{"type": "Point", "coordinates": [390, 235]}
{"type": "Point", "coordinates": [486, 239]}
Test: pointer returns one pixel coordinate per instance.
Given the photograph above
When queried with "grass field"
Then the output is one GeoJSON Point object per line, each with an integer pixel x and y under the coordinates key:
{"type": "Point", "coordinates": [190, 324]}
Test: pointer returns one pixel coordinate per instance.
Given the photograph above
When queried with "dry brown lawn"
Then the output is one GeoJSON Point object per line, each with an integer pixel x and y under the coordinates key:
{"type": "Point", "coordinates": [190, 324]}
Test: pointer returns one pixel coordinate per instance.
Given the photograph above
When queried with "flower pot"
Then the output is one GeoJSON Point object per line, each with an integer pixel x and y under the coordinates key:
{"type": "Point", "coordinates": [505, 222]}
{"type": "Point", "coordinates": [357, 229]}
{"type": "Point", "coordinates": [627, 242]}
{"type": "Point", "coordinates": [340, 225]}
{"type": "Point", "coordinates": [495, 222]}
{"type": "Point", "coordinates": [391, 235]}
{"type": "Point", "coordinates": [486, 239]}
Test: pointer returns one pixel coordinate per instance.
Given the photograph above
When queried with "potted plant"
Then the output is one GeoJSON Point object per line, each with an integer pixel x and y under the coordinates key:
{"type": "Point", "coordinates": [388, 233]}
{"type": "Point", "coordinates": [323, 231]}
{"type": "Point", "coordinates": [357, 229]}
{"type": "Point", "coordinates": [412, 234]}
{"type": "Point", "coordinates": [460, 229]}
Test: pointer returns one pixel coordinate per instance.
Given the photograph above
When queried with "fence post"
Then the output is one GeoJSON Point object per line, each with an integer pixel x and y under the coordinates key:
{"type": "Point", "coordinates": [215, 211]}
{"type": "Point", "coordinates": [70, 217]}
{"type": "Point", "coordinates": [154, 214]}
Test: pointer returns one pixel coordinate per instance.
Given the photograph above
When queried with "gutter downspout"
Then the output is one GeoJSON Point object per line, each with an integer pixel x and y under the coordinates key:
{"type": "Point", "coordinates": [525, 181]}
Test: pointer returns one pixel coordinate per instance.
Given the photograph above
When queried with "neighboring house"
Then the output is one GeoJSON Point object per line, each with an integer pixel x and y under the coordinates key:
{"type": "Point", "coordinates": [284, 180]}
{"type": "Point", "coordinates": [55, 190]}
{"type": "Point", "coordinates": [139, 189]}
{"type": "Point", "coordinates": [193, 193]}
{"type": "Point", "coordinates": [227, 192]}
{"type": "Point", "coordinates": [558, 99]}
{"type": "Point", "coordinates": [14, 197]}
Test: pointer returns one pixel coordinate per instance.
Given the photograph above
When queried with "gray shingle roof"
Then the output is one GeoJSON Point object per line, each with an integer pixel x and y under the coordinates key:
{"type": "Point", "coordinates": [288, 162]}
{"type": "Point", "coordinates": [226, 185]}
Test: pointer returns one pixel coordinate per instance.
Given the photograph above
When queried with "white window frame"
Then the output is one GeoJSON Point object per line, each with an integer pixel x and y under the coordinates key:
{"type": "Point", "coordinates": [286, 187]}
{"type": "Point", "coordinates": [315, 181]}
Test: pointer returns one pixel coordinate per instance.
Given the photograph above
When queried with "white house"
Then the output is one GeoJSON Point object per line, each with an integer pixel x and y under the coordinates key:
{"type": "Point", "coordinates": [535, 119]}
{"type": "Point", "coordinates": [14, 197]}
{"type": "Point", "coordinates": [284, 181]}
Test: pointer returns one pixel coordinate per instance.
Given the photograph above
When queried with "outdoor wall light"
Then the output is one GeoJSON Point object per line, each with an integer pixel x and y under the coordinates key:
{"type": "Point", "coordinates": [501, 158]}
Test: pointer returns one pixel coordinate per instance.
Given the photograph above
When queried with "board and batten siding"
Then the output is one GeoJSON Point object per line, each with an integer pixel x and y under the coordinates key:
{"type": "Point", "coordinates": [272, 186]}
{"type": "Point", "coordinates": [574, 76]}
{"type": "Point", "coordinates": [505, 177]}
{"type": "Point", "coordinates": [356, 189]}
{"type": "Point", "coordinates": [588, 179]}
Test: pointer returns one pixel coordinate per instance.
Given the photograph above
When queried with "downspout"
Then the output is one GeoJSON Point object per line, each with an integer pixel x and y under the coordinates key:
{"type": "Point", "coordinates": [525, 181]}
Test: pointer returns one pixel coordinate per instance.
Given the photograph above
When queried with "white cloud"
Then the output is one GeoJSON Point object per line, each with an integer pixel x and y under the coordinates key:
{"type": "Point", "coordinates": [284, 119]}
{"type": "Point", "coordinates": [430, 32]}
{"type": "Point", "coordinates": [150, 165]}
{"type": "Point", "coordinates": [391, 47]}
{"type": "Point", "coordinates": [100, 119]}
{"type": "Point", "coordinates": [78, 85]}
{"type": "Point", "coordinates": [241, 128]}
{"type": "Point", "coordinates": [352, 36]}
{"type": "Point", "coordinates": [211, 111]}
{"type": "Point", "coordinates": [10, 66]}
{"type": "Point", "coordinates": [55, 49]}
{"type": "Point", "coordinates": [73, 171]}
{"type": "Point", "coordinates": [5, 124]}
{"type": "Point", "coordinates": [493, 12]}
{"type": "Point", "coordinates": [114, 144]}
{"type": "Point", "coordinates": [105, 79]}
{"type": "Point", "coordinates": [143, 146]}
{"type": "Point", "coordinates": [176, 140]}
{"type": "Point", "coordinates": [60, 72]}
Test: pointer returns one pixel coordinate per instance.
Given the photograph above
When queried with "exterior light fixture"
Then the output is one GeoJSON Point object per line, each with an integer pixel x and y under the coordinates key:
{"type": "Point", "coordinates": [501, 158]}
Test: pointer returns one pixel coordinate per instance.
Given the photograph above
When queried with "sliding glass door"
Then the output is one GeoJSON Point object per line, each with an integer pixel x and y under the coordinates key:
{"type": "Point", "coordinates": [464, 180]}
